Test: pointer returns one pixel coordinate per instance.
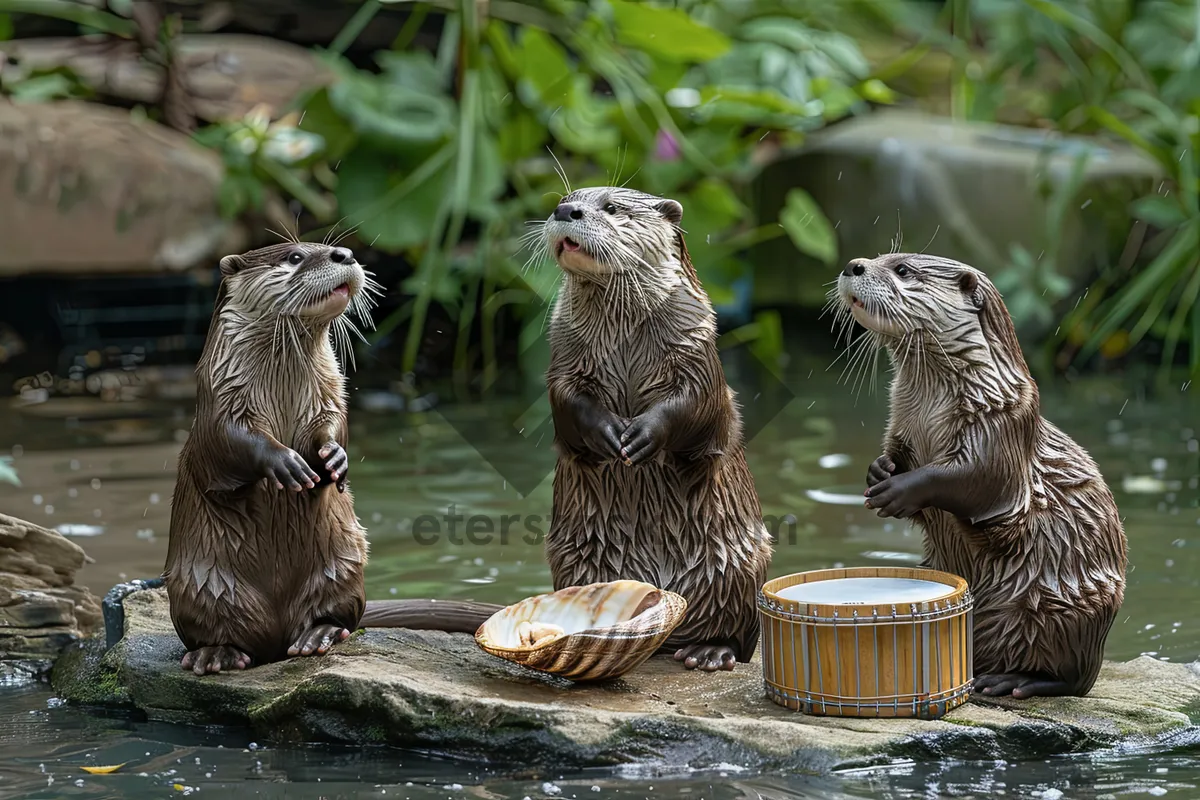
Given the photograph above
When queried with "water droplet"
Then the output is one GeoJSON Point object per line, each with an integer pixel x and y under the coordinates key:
{"type": "Point", "coordinates": [95, 483]}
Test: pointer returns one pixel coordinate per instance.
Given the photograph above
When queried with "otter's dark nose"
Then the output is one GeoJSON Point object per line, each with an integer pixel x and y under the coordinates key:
{"type": "Point", "coordinates": [567, 212]}
{"type": "Point", "coordinates": [855, 267]}
{"type": "Point", "coordinates": [341, 255]}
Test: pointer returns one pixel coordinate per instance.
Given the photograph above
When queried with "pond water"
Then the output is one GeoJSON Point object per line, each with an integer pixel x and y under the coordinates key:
{"type": "Point", "coordinates": [455, 502]}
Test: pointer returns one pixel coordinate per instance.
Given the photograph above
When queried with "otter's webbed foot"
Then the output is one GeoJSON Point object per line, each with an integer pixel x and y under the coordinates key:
{"type": "Point", "coordinates": [215, 659]}
{"type": "Point", "coordinates": [643, 437]}
{"type": "Point", "coordinates": [337, 464]}
{"type": "Point", "coordinates": [880, 470]}
{"type": "Point", "coordinates": [287, 469]}
{"type": "Point", "coordinates": [899, 496]}
{"type": "Point", "coordinates": [318, 639]}
{"type": "Point", "coordinates": [1020, 685]}
{"type": "Point", "coordinates": [708, 657]}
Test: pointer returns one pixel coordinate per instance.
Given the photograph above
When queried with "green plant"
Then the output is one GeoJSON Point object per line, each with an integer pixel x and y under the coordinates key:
{"type": "Point", "coordinates": [444, 155]}
{"type": "Point", "coordinates": [1122, 69]}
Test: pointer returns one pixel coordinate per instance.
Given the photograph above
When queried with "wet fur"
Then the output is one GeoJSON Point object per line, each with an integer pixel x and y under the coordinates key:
{"type": "Point", "coordinates": [1006, 499]}
{"type": "Point", "coordinates": [633, 355]}
{"type": "Point", "coordinates": [250, 566]}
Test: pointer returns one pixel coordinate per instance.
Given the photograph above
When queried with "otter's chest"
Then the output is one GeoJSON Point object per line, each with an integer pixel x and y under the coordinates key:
{"type": "Point", "coordinates": [631, 366]}
{"type": "Point", "coordinates": [928, 423]}
{"type": "Point", "coordinates": [291, 412]}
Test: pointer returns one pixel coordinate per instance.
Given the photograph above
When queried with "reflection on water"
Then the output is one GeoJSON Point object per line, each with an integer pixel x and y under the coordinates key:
{"type": "Point", "coordinates": [446, 518]}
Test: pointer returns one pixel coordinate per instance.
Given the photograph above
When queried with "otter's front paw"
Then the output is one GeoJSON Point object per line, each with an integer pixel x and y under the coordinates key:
{"type": "Point", "coordinates": [600, 430]}
{"type": "Point", "coordinates": [337, 464]}
{"type": "Point", "coordinates": [880, 470]}
{"type": "Point", "coordinates": [289, 470]}
{"type": "Point", "coordinates": [898, 496]}
{"type": "Point", "coordinates": [642, 438]}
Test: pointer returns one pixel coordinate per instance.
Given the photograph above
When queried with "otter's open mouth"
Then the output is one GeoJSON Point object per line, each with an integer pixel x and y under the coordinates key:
{"type": "Point", "coordinates": [340, 294]}
{"type": "Point", "coordinates": [567, 245]}
{"type": "Point", "coordinates": [854, 301]}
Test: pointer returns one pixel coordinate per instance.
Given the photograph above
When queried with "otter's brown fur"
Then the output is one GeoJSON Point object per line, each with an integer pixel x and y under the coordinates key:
{"type": "Point", "coordinates": [264, 558]}
{"type": "Point", "coordinates": [651, 482]}
{"type": "Point", "coordinates": [266, 555]}
{"type": "Point", "coordinates": [1006, 499]}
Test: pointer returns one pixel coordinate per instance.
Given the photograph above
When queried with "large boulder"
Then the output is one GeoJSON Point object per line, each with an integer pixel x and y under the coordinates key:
{"type": "Point", "coordinates": [227, 74]}
{"type": "Point", "coordinates": [41, 609]}
{"type": "Point", "coordinates": [965, 190]}
{"type": "Point", "coordinates": [441, 692]}
{"type": "Point", "coordinates": [87, 188]}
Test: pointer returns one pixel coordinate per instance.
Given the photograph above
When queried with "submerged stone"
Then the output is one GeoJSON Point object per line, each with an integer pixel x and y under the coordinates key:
{"type": "Point", "coordinates": [440, 692]}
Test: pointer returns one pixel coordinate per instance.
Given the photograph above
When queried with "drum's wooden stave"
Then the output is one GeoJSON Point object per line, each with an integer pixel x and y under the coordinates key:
{"type": "Point", "coordinates": [902, 659]}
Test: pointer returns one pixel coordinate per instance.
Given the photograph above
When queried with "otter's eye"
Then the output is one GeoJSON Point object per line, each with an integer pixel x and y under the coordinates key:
{"type": "Point", "coordinates": [295, 258]}
{"type": "Point", "coordinates": [610, 209]}
{"type": "Point", "coordinates": [901, 270]}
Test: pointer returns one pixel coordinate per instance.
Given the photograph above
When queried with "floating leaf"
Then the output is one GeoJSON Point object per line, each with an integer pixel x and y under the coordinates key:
{"type": "Point", "coordinates": [666, 33]}
{"type": "Point", "coordinates": [103, 770]}
{"type": "Point", "coordinates": [808, 227]}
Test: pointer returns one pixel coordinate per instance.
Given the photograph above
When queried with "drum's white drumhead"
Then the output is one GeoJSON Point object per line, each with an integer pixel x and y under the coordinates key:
{"type": "Point", "coordinates": [869, 591]}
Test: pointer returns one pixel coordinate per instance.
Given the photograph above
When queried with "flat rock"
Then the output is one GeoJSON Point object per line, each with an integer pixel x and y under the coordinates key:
{"type": "Point", "coordinates": [41, 608]}
{"type": "Point", "coordinates": [440, 692]}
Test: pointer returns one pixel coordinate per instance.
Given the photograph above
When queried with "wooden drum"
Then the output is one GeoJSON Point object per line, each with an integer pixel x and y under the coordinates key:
{"type": "Point", "coordinates": [867, 642]}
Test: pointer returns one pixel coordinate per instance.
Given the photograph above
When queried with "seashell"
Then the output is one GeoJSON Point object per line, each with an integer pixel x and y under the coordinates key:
{"type": "Point", "coordinates": [585, 633]}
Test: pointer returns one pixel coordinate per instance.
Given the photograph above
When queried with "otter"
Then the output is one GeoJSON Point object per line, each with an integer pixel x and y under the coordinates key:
{"type": "Point", "coordinates": [265, 557]}
{"type": "Point", "coordinates": [1005, 499]}
{"type": "Point", "coordinates": [651, 481]}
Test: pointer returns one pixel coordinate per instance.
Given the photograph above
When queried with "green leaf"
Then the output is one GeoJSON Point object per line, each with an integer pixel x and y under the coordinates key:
{"type": "Point", "coordinates": [669, 34]}
{"type": "Point", "coordinates": [6, 27]}
{"type": "Point", "coordinates": [415, 69]}
{"type": "Point", "coordinates": [520, 137]}
{"type": "Point", "coordinates": [52, 86]}
{"type": "Point", "coordinates": [544, 65]}
{"type": "Point", "coordinates": [1159, 211]}
{"type": "Point", "coordinates": [585, 129]}
{"type": "Point", "coordinates": [808, 227]}
{"type": "Point", "coordinates": [321, 118]}
{"type": "Point", "coordinates": [373, 195]}
{"type": "Point", "coordinates": [389, 114]}
{"type": "Point", "coordinates": [876, 91]}
{"type": "Point", "coordinates": [488, 177]}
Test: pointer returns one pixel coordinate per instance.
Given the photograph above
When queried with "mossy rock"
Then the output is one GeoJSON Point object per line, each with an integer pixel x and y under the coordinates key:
{"type": "Point", "coordinates": [440, 692]}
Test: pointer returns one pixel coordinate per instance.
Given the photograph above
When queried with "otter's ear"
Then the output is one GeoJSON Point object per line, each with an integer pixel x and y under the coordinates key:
{"type": "Point", "coordinates": [671, 209]}
{"type": "Point", "coordinates": [231, 265]}
{"type": "Point", "coordinates": [969, 285]}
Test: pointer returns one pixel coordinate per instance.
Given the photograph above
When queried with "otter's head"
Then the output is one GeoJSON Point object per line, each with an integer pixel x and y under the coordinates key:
{"type": "Point", "coordinates": [601, 231]}
{"type": "Point", "coordinates": [311, 283]}
{"type": "Point", "coordinates": [908, 299]}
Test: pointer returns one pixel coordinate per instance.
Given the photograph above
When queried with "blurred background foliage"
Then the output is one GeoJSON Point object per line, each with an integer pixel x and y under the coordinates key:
{"type": "Point", "coordinates": [440, 151]}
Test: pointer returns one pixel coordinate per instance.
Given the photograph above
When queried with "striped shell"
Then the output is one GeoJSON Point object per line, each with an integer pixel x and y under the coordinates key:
{"type": "Point", "coordinates": [585, 633]}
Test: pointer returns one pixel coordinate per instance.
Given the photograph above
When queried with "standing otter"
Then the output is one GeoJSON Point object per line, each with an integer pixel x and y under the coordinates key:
{"type": "Point", "coordinates": [266, 555]}
{"type": "Point", "coordinates": [651, 482]}
{"type": "Point", "coordinates": [1006, 499]}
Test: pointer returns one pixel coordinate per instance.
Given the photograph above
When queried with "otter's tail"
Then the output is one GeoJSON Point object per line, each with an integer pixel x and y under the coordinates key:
{"type": "Point", "coordinates": [452, 616]}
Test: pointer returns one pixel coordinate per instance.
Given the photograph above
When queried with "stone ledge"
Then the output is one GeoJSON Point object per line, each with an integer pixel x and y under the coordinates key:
{"type": "Point", "coordinates": [440, 692]}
